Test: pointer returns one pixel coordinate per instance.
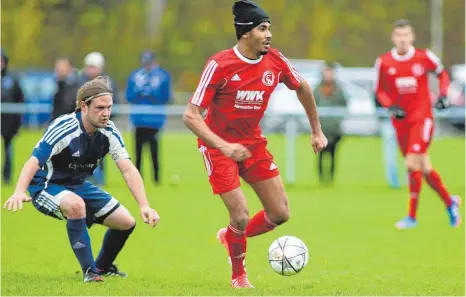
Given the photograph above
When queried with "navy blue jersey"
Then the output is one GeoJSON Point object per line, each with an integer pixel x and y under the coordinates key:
{"type": "Point", "coordinates": [68, 155]}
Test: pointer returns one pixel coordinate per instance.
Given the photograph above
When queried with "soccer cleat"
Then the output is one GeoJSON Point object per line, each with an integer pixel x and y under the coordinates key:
{"type": "Point", "coordinates": [241, 282]}
{"type": "Point", "coordinates": [113, 271]}
{"type": "Point", "coordinates": [91, 276]}
{"type": "Point", "coordinates": [454, 211]}
{"type": "Point", "coordinates": [406, 223]}
{"type": "Point", "coordinates": [222, 239]}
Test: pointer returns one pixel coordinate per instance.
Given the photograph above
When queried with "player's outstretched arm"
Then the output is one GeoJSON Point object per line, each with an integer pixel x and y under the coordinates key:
{"type": "Point", "coordinates": [15, 202]}
{"type": "Point", "coordinates": [192, 118]}
{"type": "Point", "coordinates": [306, 97]}
{"type": "Point", "coordinates": [444, 80]}
{"type": "Point", "coordinates": [135, 184]}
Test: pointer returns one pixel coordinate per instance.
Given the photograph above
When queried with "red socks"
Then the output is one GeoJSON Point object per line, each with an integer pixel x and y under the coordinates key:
{"type": "Point", "coordinates": [259, 224]}
{"type": "Point", "coordinates": [236, 239]}
{"type": "Point", "coordinates": [415, 180]}
{"type": "Point", "coordinates": [434, 180]}
{"type": "Point", "coordinates": [237, 247]}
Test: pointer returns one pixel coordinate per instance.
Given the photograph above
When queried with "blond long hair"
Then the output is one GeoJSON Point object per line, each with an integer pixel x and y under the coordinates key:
{"type": "Point", "coordinates": [97, 87]}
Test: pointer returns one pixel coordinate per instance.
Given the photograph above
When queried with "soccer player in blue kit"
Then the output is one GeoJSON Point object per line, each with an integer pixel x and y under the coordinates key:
{"type": "Point", "coordinates": [55, 177]}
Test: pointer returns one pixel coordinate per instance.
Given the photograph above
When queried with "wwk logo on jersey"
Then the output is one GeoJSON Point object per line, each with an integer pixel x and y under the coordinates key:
{"type": "Point", "coordinates": [249, 99]}
{"type": "Point", "coordinates": [250, 95]}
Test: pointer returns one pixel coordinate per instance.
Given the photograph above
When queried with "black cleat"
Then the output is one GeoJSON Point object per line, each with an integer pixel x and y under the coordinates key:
{"type": "Point", "coordinates": [91, 276]}
{"type": "Point", "coordinates": [113, 271]}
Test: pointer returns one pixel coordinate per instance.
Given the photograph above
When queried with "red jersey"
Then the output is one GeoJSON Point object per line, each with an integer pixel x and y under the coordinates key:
{"type": "Point", "coordinates": [235, 91]}
{"type": "Point", "coordinates": [402, 80]}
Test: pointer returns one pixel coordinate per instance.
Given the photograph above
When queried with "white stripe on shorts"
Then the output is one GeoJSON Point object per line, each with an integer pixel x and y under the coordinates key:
{"type": "Point", "coordinates": [108, 207]}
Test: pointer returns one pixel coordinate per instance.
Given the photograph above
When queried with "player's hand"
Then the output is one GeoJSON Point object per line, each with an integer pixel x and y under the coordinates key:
{"type": "Point", "coordinates": [442, 103]}
{"type": "Point", "coordinates": [318, 141]}
{"type": "Point", "coordinates": [15, 202]}
{"type": "Point", "coordinates": [236, 151]}
{"type": "Point", "coordinates": [397, 112]}
{"type": "Point", "coordinates": [149, 216]}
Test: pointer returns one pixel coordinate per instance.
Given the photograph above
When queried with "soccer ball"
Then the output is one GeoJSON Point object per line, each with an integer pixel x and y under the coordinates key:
{"type": "Point", "coordinates": [288, 255]}
{"type": "Point", "coordinates": [174, 180]}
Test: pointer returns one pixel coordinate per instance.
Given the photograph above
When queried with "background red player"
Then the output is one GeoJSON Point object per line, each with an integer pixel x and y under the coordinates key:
{"type": "Point", "coordinates": [403, 87]}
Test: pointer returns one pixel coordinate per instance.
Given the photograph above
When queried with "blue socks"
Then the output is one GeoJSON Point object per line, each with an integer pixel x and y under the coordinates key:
{"type": "Point", "coordinates": [80, 242]}
{"type": "Point", "coordinates": [114, 240]}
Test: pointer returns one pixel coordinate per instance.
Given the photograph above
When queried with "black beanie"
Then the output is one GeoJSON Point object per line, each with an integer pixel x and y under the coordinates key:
{"type": "Point", "coordinates": [247, 16]}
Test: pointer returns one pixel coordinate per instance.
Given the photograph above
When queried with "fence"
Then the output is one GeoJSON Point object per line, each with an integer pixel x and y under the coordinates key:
{"type": "Point", "coordinates": [290, 123]}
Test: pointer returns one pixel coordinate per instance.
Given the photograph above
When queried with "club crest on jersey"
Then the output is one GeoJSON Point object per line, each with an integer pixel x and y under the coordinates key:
{"type": "Point", "coordinates": [391, 71]}
{"type": "Point", "coordinates": [417, 69]}
{"type": "Point", "coordinates": [268, 78]}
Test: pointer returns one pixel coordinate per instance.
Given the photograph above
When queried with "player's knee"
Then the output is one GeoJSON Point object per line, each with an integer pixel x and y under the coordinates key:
{"type": "Point", "coordinates": [281, 215]}
{"type": "Point", "coordinates": [240, 220]}
{"type": "Point", "coordinates": [73, 207]}
{"type": "Point", "coordinates": [413, 164]}
{"type": "Point", "coordinates": [426, 167]}
{"type": "Point", "coordinates": [128, 223]}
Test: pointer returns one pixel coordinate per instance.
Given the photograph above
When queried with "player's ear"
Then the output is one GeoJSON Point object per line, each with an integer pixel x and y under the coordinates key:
{"type": "Point", "coordinates": [83, 105]}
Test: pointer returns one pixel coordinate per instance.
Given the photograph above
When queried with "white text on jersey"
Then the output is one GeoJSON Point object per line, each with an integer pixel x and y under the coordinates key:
{"type": "Point", "coordinates": [250, 95]}
{"type": "Point", "coordinates": [406, 85]}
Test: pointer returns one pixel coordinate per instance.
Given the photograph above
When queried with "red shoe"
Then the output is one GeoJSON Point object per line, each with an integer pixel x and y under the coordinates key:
{"type": "Point", "coordinates": [222, 239]}
{"type": "Point", "coordinates": [241, 282]}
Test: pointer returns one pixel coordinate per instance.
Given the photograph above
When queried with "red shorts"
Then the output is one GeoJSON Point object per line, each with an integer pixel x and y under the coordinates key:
{"type": "Point", "coordinates": [414, 138]}
{"type": "Point", "coordinates": [224, 173]}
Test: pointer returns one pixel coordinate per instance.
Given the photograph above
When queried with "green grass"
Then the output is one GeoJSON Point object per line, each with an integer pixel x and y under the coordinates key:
{"type": "Point", "coordinates": [355, 250]}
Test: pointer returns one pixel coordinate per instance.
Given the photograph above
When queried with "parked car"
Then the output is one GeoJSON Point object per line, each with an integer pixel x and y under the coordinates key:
{"type": "Point", "coordinates": [359, 103]}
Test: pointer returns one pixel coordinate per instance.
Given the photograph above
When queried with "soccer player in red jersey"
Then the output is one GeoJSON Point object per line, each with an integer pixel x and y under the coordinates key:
{"type": "Point", "coordinates": [235, 88]}
{"type": "Point", "coordinates": [402, 86]}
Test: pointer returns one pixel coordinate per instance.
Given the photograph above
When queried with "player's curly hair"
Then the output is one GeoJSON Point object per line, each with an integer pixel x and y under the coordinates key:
{"type": "Point", "coordinates": [97, 87]}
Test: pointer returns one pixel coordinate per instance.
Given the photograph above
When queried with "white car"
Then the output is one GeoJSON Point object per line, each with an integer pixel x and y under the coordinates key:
{"type": "Point", "coordinates": [361, 118]}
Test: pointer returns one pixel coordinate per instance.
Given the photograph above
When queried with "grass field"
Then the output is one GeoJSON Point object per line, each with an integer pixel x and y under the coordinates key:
{"type": "Point", "coordinates": [349, 230]}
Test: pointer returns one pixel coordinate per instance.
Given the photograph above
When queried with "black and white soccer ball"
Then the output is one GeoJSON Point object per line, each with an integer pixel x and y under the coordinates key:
{"type": "Point", "coordinates": [288, 255]}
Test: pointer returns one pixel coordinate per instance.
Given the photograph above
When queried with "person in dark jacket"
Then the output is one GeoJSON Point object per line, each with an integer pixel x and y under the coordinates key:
{"type": "Point", "coordinates": [149, 86]}
{"type": "Point", "coordinates": [11, 93]}
{"type": "Point", "coordinates": [64, 99]}
{"type": "Point", "coordinates": [329, 94]}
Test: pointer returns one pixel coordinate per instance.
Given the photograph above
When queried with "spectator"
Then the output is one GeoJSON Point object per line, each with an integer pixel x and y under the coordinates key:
{"type": "Point", "coordinates": [148, 86]}
{"type": "Point", "coordinates": [11, 93]}
{"type": "Point", "coordinates": [64, 99]}
{"type": "Point", "coordinates": [94, 63]}
{"type": "Point", "coordinates": [329, 94]}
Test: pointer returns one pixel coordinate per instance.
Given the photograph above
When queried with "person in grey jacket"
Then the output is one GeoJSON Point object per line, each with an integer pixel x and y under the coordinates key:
{"type": "Point", "coordinates": [329, 94]}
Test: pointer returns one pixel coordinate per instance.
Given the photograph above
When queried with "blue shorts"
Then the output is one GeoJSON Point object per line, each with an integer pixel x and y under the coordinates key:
{"type": "Point", "coordinates": [99, 204]}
